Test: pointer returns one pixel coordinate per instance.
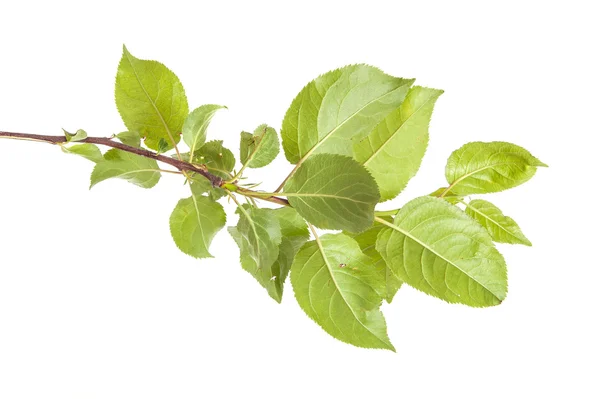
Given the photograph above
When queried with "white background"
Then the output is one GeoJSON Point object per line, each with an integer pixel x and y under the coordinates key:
{"type": "Point", "coordinates": [97, 302]}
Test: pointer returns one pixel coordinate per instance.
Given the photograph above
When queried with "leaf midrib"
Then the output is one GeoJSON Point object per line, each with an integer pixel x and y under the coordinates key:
{"type": "Point", "coordinates": [424, 245]}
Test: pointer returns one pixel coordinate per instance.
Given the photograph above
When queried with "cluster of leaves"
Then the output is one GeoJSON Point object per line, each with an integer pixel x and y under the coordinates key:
{"type": "Point", "coordinates": [355, 136]}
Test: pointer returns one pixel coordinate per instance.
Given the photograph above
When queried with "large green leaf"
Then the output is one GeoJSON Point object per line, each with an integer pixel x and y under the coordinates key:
{"type": "Point", "coordinates": [367, 241]}
{"type": "Point", "coordinates": [136, 169]}
{"type": "Point", "coordinates": [333, 192]}
{"type": "Point", "coordinates": [86, 150]}
{"type": "Point", "coordinates": [258, 235]}
{"type": "Point", "coordinates": [259, 149]}
{"type": "Point", "coordinates": [194, 222]}
{"type": "Point", "coordinates": [436, 248]}
{"type": "Point", "coordinates": [479, 168]}
{"type": "Point", "coordinates": [196, 124]}
{"type": "Point", "coordinates": [340, 105]}
{"type": "Point", "coordinates": [392, 152]}
{"type": "Point", "coordinates": [338, 287]}
{"type": "Point", "coordinates": [150, 99]}
{"type": "Point", "coordinates": [501, 228]}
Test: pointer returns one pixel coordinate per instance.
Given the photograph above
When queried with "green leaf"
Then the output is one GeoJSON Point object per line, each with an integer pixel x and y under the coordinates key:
{"type": "Point", "coordinates": [163, 146]}
{"type": "Point", "coordinates": [333, 192]}
{"type": "Point", "coordinates": [258, 235]}
{"type": "Point", "coordinates": [77, 136]}
{"type": "Point", "coordinates": [480, 168]}
{"type": "Point", "coordinates": [196, 124]}
{"type": "Point", "coordinates": [294, 234]}
{"type": "Point", "coordinates": [259, 149]}
{"type": "Point", "coordinates": [340, 105]}
{"type": "Point", "coordinates": [392, 152]}
{"type": "Point", "coordinates": [136, 169]}
{"type": "Point", "coordinates": [194, 223]}
{"type": "Point", "coordinates": [130, 138]}
{"type": "Point", "coordinates": [367, 241]}
{"type": "Point", "coordinates": [449, 196]}
{"type": "Point", "coordinates": [201, 185]}
{"type": "Point", "coordinates": [436, 248]}
{"type": "Point", "coordinates": [86, 150]}
{"type": "Point", "coordinates": [501, 228]}
{"type": "Point", "coordinates": [338, 287]}
{"type": "Point", "coordinates": [150, 99]}
{"type": "Point", "coordinates": [218, 159]}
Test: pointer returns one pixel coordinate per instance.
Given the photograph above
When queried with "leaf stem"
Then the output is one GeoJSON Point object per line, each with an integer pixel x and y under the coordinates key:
{"type": "Point", "coordinates": [391, 212]}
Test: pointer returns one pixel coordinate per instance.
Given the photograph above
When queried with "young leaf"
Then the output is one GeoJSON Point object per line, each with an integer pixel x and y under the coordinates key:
{"type": "Point", "coordinates": [337, 106]}
{"type": "Point", "coordinates": [130, 138]}
{"type": "Point", "coordinates": [77, 136]}
{"type": "Point", "coordinates": [196, 123]}
{"type": "Point", "coordinates": [367, 241]}
{"type": "Point", "coordinates": [150, 99]}
{"type": "Point", "coordinates": [294, 234]}
{"type": "Point", "coordinates": [259, 149]}
{"type": "Point", "coordinates": [86, 150]}
{"type": "Point", "coordinates": [438, 249]}
{"type": "Point", "coordinates": [163, 146]}
{"type": "Point", "coordinates": [480, 168]}
{"type": "Point", "coordinates": [218, 159]}
{"type": "Point", "coordinates": [258, 235]}
{"type": "Point", "coordinates": [501, 228]}
{"type": "Point", "coordinates": [136, 169]}
{"type": "Point", "coordinates": [392, 152]}
{"type": "Point", "coordinates": [336, 286]}
{"type": "Point", "coordinates": [194, 223]}
{"type": "Point", "coordinates": [333, 192]}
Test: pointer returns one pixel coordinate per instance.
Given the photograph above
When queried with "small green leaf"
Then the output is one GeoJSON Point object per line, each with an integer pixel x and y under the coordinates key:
{"type": "Point", "coordinates": [86, 150]}
{"type": "Point", "coordinates": [196, 123]}
{"type": "Point", "coordinates": [333, 192]}
{"type": "Point", "coordinates": [150, 99]}
{"type": "Point", "coordinates": [392, 152]}
{"type": "Point", "coordinates": [501, 228]}
{"type": "Point", "coordinates": [201, 185]}
{"type": "Point", "coordinates": [163, 146]}
{"type": "Point", "coordinates": [129, 138]}
{"type": "Point", "coordinates": [258, 235]}
{"type": "Point", "coordinates": [194, 223]}
{"type": "Point", "coordinates": [77, 136]}
{"type": "Point", "coordinates": [340, 105]}
{"type": "Point", "coordinates": [259, 149]}
{"type": "Point", "coordinates": [449, 196]}
{"type": "Point", "coordinates": [436, 248]}
{"type": "Point", "coordinates": [294, 234]}
{"type": "Point", "coordinates": [367, 241]}
{"type": "Point", "coordinates": [338, 287]}
{"type": "Point", "coordinates": [480, 168]}
{"type": "Point", "coordinates": [218, 159]}
{"type": "Point", "coordinates": [136, 169]}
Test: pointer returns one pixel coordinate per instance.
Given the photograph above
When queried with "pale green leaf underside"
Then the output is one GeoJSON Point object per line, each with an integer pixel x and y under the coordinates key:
{"type": "Point", "coordinates": [333, 192]}
{"type": "Point", "coordinates": [449, 196]}
{"type": "Point", "coordinates": [86, 150]}
{"type": "Point", "coordinates": [340, 105]}
{"type": "Point", "coordinates": [479, 168]}
{"type": "Point", "coordinates": [136, 169]}
{"type": "Point", "coordinates": [196, 123]}
{"type": "Point", "coordinates": [259, 149]}
{"type": "Point", "coordinates": [501, 228]}
{"type": "Point", "coordinates": [194, 222]}
{"type": "Point", "coordinates": [393, 151]}
{"type": "Point", "coordinates": [436, 248]}
{"type": "Point", "coordinates": [150, 99]}
{"type": "Point", "coordinates": [258, 235]}
{"type": "Point", "coordinates": [367, 241]}
{"type": "Point", "coordinates": [335, 284]}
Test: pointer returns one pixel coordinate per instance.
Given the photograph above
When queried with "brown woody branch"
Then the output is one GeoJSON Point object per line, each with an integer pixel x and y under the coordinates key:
{"type": "Point", "coordinates": [216, 181]}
